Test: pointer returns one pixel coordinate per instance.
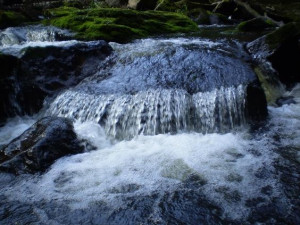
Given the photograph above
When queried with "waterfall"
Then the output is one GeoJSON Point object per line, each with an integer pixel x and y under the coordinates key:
{"type": "Point", "coordinates": [154, 112]}
{"type": "Point", "coordinates": [21, 35]}
{"type": "Point", "coordinates": [14, 40]}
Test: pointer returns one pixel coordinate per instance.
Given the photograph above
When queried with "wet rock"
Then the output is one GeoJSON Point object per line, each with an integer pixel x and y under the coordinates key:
{"type": "Point", "coordinates": [38, 147]}
{"type": "Point", "coordinates": [43, 71]}
{"type": "Point", "coordinates": [256, 24]}
{"type": "Point", "coordinates": [278, 53]}
{"type": "Point", "coordinates": [10, 18]}
{"type": "Point", "coordinates": [256, 103]}
{"type": "Point", "coordinates": [9, 66]}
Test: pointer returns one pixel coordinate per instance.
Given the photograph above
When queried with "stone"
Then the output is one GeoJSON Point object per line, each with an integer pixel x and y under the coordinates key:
{"type": "Point", "coordinates": [256, 103]}
{"type": "Point", "coordinates": [277, 55]}
{"type": "Point", "coordinates": [43, 71]}
{"type": "Point", "coordinates": [142, 4]}
{"type": "Point", "coordinates": [117, 3]}
{"type": "Point", "coordinates": [255, 25]}
{"type": "Point", "coordinates": [38, 147]}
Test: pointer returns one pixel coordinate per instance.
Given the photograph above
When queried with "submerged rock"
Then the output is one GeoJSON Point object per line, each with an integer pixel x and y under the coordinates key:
{"type": "Point", "coordinates": [42, 71]}
{"type": "Point", "coordinates": [38, 147]}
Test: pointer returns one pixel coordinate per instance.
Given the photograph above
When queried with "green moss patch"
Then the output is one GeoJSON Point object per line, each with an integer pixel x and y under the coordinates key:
{"type": "Point", "coordinates": [119, 25]}
{"type": "Point", "coordinates": [11, 19]}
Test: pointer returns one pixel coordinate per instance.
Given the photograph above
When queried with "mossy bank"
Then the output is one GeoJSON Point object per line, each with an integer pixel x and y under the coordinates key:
{"type": "Point", "coordinates": [119, 25]}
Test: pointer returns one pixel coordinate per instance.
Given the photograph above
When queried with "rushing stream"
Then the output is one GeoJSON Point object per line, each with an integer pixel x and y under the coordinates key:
{"type": "Point", "coordinates": [167, 123]}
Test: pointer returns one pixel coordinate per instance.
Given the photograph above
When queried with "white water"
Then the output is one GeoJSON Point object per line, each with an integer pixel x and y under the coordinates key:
{"type": "Point", "coordinates": [15, 127]}
{"type": "Point", "coordinates": [155, 111]}
{"type": "Point", "coordinates": [14, 39]}
{"type": "Point", "coordinates": [228, 163]}
{"type": "Point", "coordinates": [38, 33]}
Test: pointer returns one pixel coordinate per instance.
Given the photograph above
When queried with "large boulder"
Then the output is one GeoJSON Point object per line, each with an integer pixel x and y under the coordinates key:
{"type": "Point", "coordinates": [43, 71]}
{"type": "Point", "coordinates": [39, 146]}
{"type": "Point", "coordinates": [277, 57]}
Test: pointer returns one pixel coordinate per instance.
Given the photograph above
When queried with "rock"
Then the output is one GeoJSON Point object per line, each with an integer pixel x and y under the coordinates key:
{"type": "Point", "coordinates": [117, 3]}
{"type": "Point", "coordinates": [232, 9]}
{"type": "Point", "coordinates": [142, 4]}
{"type": "Point", "coordinates": [256, 103]}
{"type": "Point", "coordinates": [256, 24]}
{"type": "Point", "coordinates": [43, 71]}
{"type": "Point", "coordinates": [9, 67]}
{"type": "Point", "coordinates": [38, 147]}
{"type": "Point", "coordinates": [11, 19]}
{"type": "Point", "coordinates": [280, 10]}
{"type": "Point", "coordinates": [277, 56]}
{"type": "Point", "coordinates": [201, 16]}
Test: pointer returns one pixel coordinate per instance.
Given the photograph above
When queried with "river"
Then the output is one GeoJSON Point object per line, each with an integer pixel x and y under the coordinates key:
{"type": "Point", "coordinates": [171, 143]}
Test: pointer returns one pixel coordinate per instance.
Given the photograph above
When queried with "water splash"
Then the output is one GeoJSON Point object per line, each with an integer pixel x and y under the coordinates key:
{"type": "Point", "coordinates": [38, 33]}
{"type": "Point", "coordinates": [14, 39]}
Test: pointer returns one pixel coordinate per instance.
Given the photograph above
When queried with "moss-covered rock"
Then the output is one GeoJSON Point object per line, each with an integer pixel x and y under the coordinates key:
{"type": "Point", "coordinates": [278, 57]}
{"type": "Point", "coordinates": [282, 35]}
{"type": "Point", "coordinates": [256, 24]}
{"type": "Point", "coordinates": [119, 25]}
{"type": "Point", "coordinates": [11, 19]}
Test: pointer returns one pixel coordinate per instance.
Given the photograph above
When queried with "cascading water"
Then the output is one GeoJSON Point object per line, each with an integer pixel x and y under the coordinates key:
{"type": "Point", "coordinates": [177, 103]}
{"type": "Point", "coordinates": [14, 39]}
{"type": "Point", "coordinates": [156, 111]}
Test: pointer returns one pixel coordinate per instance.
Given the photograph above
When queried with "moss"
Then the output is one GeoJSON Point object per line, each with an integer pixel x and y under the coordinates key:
{"type": "Point", "coordinates": [11, 19]}
{"type": "Point", "coordinates": [283, 34]}
{"type": "Point", "coordinates": [120, 25]}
